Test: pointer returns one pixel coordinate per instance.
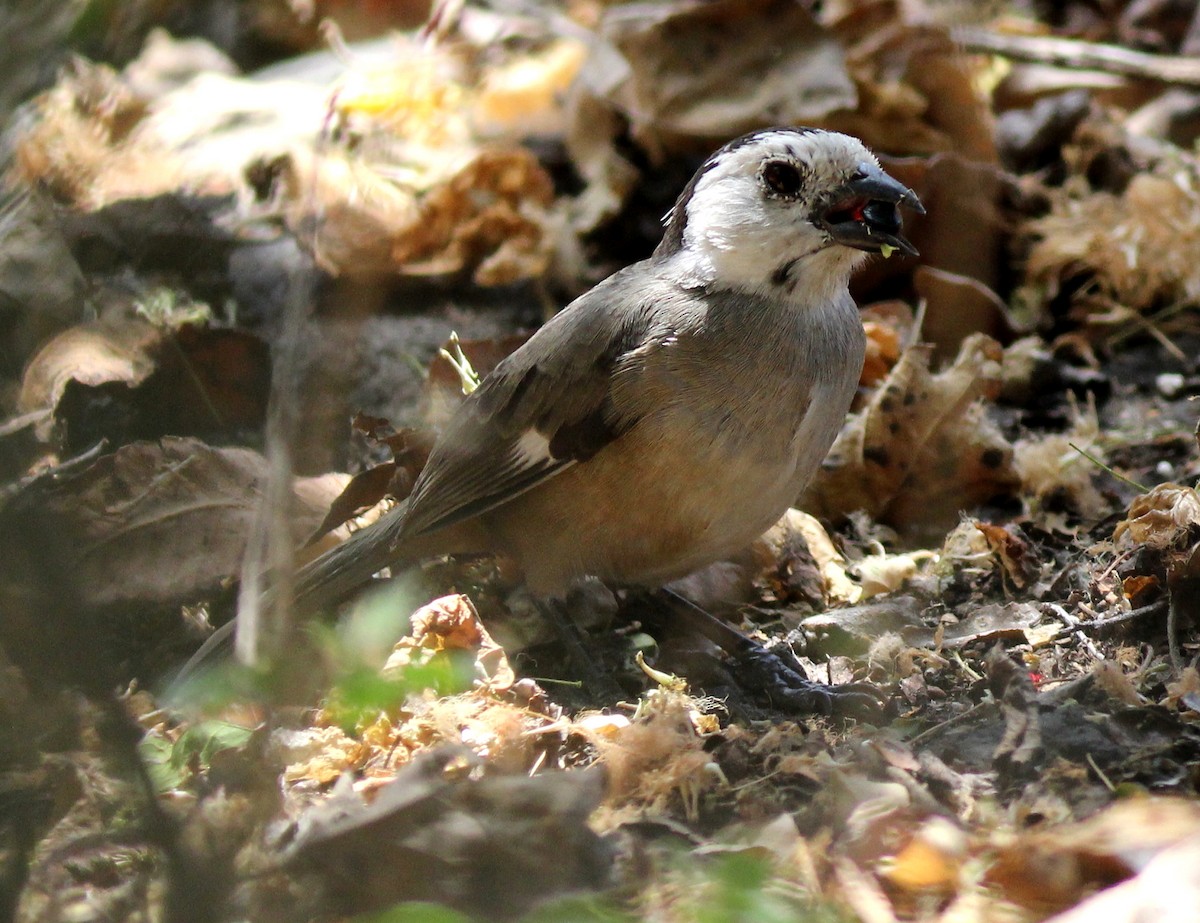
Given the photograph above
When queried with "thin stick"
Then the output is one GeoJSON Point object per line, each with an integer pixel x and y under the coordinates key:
{"type": "Point", "coordinates": [1071, 53]}
{"type": "Point", "coordinates": [1103, 467]}
{"type": "Point", "coordinates": [1153, 609]}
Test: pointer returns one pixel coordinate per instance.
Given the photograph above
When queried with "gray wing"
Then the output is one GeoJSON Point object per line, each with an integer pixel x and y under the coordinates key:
{"type": "Point", "coordinates": [544, 408]}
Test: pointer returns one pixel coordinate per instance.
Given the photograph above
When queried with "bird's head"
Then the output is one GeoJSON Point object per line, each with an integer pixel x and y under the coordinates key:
{"type": "Point", "coordinates": [788, 212]}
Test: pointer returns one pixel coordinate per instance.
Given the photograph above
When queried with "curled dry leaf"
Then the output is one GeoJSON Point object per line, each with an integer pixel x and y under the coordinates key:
{"type": "Point", "coordinates": [410, 449]}
{"type": "Point", "coordinates": [124, 380]}
{"type": "Point", "coordinates": [1164, 518]}
{"type": "Point", "coordinates": [451, 623]}
{"type": "Point", "coordinates": [92, 354]}
{"type": "Point", "coordinates": [923, 448]}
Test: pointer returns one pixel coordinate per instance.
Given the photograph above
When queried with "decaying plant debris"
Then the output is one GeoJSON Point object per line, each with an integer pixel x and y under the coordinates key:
{"type": "Point", "coordinates": [1004, 537]}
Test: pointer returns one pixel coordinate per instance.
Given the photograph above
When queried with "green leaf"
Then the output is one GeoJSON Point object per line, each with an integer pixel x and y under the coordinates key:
{"type": "Point", "coordinates": [170, 764]}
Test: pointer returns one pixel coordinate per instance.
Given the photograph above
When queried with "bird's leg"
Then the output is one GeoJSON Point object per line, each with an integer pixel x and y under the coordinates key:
{"type": "Point", "coordinates": [775, 675]}
{"type": "Point", "coordinates": [599, 684]}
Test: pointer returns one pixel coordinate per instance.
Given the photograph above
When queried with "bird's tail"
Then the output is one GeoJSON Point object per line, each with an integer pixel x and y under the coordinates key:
{"type": "Point", "coordinates": [341, 570]}
{"type": "Point", "coordinates": [322, 583]}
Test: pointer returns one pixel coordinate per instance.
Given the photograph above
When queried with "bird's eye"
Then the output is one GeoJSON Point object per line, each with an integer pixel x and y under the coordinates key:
{"type": "Point", "coordinates": [782, 178]}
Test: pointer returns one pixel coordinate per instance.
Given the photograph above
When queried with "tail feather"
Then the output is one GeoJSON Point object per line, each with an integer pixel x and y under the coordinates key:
{"type": "Point", "coordinates": [345, 568]}
{"type": "Point", "coordinates": [322, 583]}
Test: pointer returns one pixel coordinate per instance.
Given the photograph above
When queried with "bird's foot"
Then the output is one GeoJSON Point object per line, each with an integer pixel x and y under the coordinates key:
{"type": "Point", "coordinates": [778, 677]}
{"type": "Point", "coordinates": [775, 675]}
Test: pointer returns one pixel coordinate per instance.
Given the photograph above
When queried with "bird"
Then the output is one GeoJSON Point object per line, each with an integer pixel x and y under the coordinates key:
{"type": "Point", "coordinates": [671, 414]}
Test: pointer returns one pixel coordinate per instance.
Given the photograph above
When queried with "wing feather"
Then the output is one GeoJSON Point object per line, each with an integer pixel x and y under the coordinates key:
{"type": "Point", "coordinates": [546, 407]}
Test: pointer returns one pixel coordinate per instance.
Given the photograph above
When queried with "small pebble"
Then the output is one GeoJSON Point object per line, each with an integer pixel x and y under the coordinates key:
{"type": "Point", "coordinates": [1169, 384]}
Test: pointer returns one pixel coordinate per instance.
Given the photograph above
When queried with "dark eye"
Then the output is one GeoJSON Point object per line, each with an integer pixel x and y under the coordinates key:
{"type": "Point", "coordinates": [782, 178]}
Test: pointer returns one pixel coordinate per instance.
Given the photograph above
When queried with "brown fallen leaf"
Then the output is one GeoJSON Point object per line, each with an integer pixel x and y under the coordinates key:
{"type": "Point", "coordinates": [101, 555]}
{"type": "Point", "coordinates": [153, 524]}
{"type": "Point", "coordinates": [957, 306]}
{"type": "Point", "coordinates": [434, 833]}
{"type": "Point", "coordinates": [1165, 517]}
{"type": "Point", "coordinates": [765, 62]}
{"type": "Point", "coordinates": [92, 354]}
{"type": "Point", "coordinates": [1050, 870]}
{"type": "Point", "coordinates": [451, 623]}
{"type": "Point", "coordinates": [923, 449]}
{"type": "Point", "coordinates": [124, 379]}
{"type": "Point", "coordinates": [392, 479]}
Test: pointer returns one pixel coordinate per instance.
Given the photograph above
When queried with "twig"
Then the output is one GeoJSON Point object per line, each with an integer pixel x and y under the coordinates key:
{"type": "Point", "coordinates": [1173, 635]}
{"type": "Point", "coordinates": [1077, 627]}
{"type": "Point", "coordinates": [1153, 609]}
{"type": "Point", "coordinates": [1071, 53]}
{"type": "Point", "coordinates": [949, 723]}
{"type": "Point", "coordinates": [1103, 778]}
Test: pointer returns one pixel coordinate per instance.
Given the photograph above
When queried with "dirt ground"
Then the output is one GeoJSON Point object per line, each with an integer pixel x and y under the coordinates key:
{"type": "Point", "coordinates": [252, 252]}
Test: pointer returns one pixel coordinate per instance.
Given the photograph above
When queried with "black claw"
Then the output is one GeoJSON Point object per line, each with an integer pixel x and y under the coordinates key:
{"type": "Point", "coordinates": [775, 675]}
{"type": "Point", "coordinates": [785, 686]}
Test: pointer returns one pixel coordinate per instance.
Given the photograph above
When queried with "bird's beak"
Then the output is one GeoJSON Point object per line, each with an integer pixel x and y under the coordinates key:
{"type": "Point", "coordinates": [865, 213]}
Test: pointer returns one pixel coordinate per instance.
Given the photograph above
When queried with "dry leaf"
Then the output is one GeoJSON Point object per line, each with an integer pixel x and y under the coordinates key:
{"type": "Point", "coordinates": [154, 524]}
{"type": "Point", "coordinates": [1163, 518]}
{"type": "Point", "coordinates": [451, 623]}
{"type": "Point", "coordinates": [717, 69]}
{"type": "Point", "coordinates": [1051, 870]}
{"type": "Point", "coordinates": [1054, 465]}
{"type": "Point", "coordinates": [957, 306]}
{"type": "Point", "coordinates": [923, 448]}
{"type": "Point", "coordinates": [126, 380]}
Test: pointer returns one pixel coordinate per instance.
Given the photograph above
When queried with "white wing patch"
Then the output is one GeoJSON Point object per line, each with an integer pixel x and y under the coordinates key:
{"type": "Point", "coordinates": [531, 449]}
